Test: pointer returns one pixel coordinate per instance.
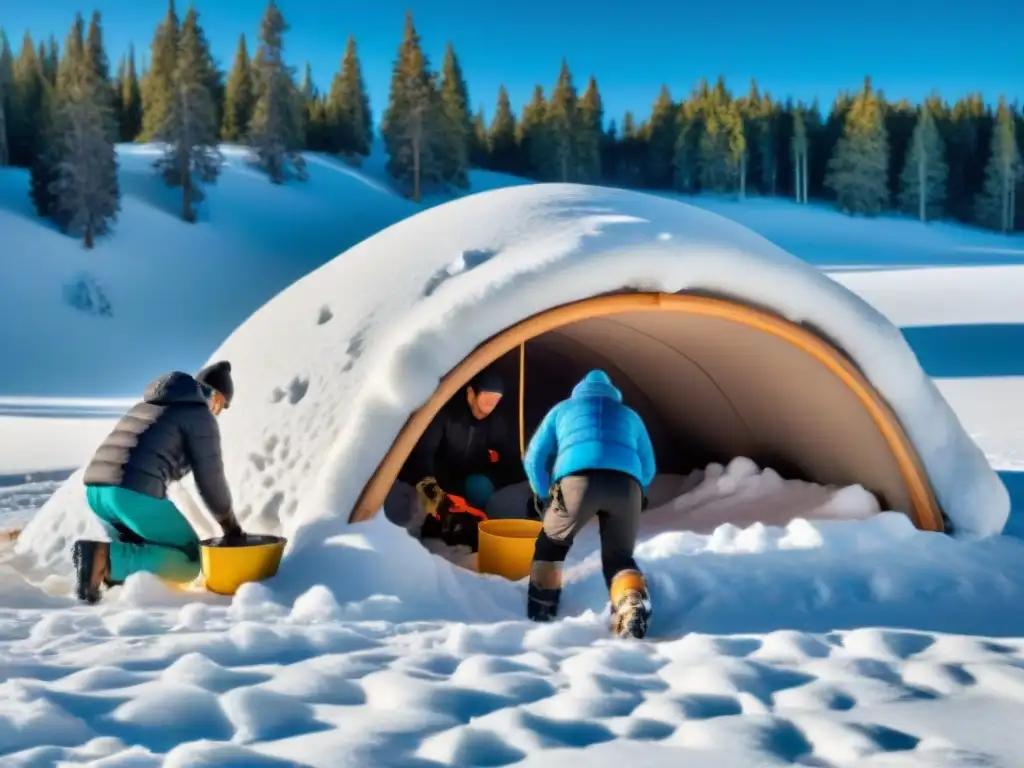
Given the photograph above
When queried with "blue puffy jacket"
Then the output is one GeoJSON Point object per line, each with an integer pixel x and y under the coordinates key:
{"type": "Point", "coordinates": [590, 430]}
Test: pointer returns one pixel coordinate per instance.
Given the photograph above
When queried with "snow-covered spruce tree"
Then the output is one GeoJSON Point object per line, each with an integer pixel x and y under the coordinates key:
{"type": "Point", "coordinates": [158, 83]}
{"type": "Point", "coordinates": [80, 154]}
{"type": "Point", "coordinates": [923, 179]}
{"type": "Point", "coordinates": [349, 120]}
{"type": "Point", "coordinates": [996, 204]}
{"type": "Point", "coordinates": [276, 131]}
{"type": "Point", "coordinates": [189, 132]}
{"type": "Point", "coordinates": [411, 124]}
{"type": "Point", "coordinates": [457, 126]}
{"type": "Point", "coordinates": [858, 171]}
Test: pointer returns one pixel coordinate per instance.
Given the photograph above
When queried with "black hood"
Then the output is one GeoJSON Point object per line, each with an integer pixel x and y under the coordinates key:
{"type": "Point", "coordinates": [174, 387]}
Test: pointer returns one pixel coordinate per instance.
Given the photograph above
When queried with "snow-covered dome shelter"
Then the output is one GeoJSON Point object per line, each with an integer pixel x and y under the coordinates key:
{"type": "Point", "coordinates": [726, 344]}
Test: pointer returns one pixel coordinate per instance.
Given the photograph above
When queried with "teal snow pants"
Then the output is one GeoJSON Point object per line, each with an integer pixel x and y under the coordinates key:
{"type": "Point", "coordinates": [169, 546]}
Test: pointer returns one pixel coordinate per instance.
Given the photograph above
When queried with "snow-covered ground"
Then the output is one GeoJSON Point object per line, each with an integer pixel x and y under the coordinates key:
{"type": "Point", "coordinates": [821, 641]}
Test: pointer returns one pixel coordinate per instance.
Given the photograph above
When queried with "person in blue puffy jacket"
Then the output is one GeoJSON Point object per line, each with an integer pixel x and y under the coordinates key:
{"type": "Point", "coordinates": [591, 456]}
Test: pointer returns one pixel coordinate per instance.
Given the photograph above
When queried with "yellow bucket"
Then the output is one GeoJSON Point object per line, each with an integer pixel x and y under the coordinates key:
{"type": "Point", "coordinates": [506, 547]}
{"type": "Point", "coordinates": [226, 567]}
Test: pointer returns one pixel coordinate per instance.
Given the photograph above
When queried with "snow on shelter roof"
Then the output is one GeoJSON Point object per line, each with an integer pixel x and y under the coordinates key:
{"type": "Point", "coordinates": [328, 371]}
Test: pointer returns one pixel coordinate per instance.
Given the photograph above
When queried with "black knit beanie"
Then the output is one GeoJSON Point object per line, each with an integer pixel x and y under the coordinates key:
{"type": "Point", "coordinates": [218, 376]}
{"type": "Point", "coordinates": [488, 381]}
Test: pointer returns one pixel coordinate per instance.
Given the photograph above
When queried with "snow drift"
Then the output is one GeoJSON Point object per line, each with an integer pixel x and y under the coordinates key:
{"type": "Point", "coordinates": [329, 371]}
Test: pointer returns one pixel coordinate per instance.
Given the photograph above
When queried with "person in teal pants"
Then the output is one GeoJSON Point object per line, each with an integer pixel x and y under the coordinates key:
{"type": "Point", "coordinates": [159, 539]}
{"type": "Point", "coordinates": [171, 432]}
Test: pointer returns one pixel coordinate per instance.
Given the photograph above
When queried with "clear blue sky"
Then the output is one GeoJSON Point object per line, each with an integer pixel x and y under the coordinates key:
{"type": "Point", "coordinates": [792, 46]}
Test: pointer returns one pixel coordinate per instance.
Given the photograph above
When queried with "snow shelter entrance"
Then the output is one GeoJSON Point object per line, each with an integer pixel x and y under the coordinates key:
{"type": "Point", "coordinates": [713, 379]}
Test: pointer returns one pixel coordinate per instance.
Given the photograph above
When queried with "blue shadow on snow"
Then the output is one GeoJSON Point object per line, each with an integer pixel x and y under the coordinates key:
{"type": "Point", "coordinates": [1014, 482]}
{"type": "Point", "coordinates": [974, 351]}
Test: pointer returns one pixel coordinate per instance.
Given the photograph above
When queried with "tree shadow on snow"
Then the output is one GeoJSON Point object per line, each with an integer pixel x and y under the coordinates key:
{"type": "Point", "coordinates": [146, 186]}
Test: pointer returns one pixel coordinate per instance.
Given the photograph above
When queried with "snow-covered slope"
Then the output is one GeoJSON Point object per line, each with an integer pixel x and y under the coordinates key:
{"type": "Point", "coordinates": [820, 234]}
{"type": "Point", "coordinates": [328, 371]}
{"type": "Point", "coordinates": [174, 289]}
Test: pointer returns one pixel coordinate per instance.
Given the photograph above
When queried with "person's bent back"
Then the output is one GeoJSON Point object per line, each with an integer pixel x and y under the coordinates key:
{"type": "Point", "coordinates": [159, 440]}
{"type": "Point", "coordinates": [171, 432]}
{"type": "Point", "coordinates": [591, 456]}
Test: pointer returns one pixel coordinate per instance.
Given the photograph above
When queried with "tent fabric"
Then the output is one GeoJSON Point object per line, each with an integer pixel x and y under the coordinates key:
{"type": "Point", "coordinates": [715, 379]}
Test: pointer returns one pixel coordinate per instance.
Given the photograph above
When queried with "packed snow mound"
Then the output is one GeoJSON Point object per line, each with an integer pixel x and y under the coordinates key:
{"type": "Point", "coordinates": [158, 293]}
{"type": "Point", "coordinates": [329, 370]}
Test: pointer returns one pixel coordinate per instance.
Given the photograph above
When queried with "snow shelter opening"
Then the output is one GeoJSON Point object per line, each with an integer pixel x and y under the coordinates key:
{"type": "Point", "coordinates": [713, 378]}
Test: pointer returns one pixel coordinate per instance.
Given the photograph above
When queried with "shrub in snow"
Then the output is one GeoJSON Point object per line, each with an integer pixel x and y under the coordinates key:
{"type": "Point", "coordinates": [85, 294]}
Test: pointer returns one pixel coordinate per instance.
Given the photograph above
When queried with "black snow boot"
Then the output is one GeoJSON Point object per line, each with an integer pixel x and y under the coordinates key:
{"type": "Point", "coordinates": [92, 569]}
{"type": "Point", "coordinates": [545, 591]}
{"type": "Point", "coordinates": [631, 605]}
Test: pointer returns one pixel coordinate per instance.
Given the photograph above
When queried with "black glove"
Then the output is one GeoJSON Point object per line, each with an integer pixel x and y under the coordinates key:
{"type": "Point", "coordinates": [232, 530]}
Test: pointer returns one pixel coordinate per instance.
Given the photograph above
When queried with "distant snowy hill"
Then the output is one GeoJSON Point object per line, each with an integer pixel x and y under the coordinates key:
{"type": "Point", "coordinates": [159, 293]}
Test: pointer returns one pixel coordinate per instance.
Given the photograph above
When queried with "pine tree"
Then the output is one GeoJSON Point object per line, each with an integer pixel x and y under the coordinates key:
{"type": "Point", "coordinates": [995, 207]}
{"type": "Point", "coordinates": [117, 91]}
{"type": "Point", "coordinates": [661, 143]}
{"type": "Point", "coordinates": [501, 136]}
{"type": "Point", "coordinates": [479, 148]}
{"type": "Point", "coordinates": [239, 98]}
{"type": "Point", "coordinates": [533, 135]}
{"type": "Point", "coordinates": [6, 95]}
{"type": "Point", "coordinates": [858, 171]}
{"type": "Point", "coordinates": [691, 119]}
{"type": "Point", "coordinates": [307, 102]}
{"type": "Point", "coordinates": [79, 161]}
{"type": "Point", "coordinates": [318, 132]}
{"type": "Point", "coordinates": [95, 55]}
{"type": "Point", "coordinates": [801, 154]}
{"type": "Point", "coordinates": [131, 100]}
{"type": "Point", "coordinates": [632, 155]}
{"type": "Point", "coordinates": [562, 128]}
{"type": "Point", "coordinates": [923, 180]}
{"type": "Point", "coordinates": [28, 96]}
{"type": "Point", "coordinates": [74, 70]}
{"type": "Point", "coordinates": [456, 125]}
{"type": "Point", "coordinates": [966, 132]}
{"type": "Point", "coordinates": [591, 134]}
{"type": "Point", "coordinates": [348, 107]}
{"type": "Point", "coordinates": [158, 84]}
{"type": "Point", "coordinates": [275, 133]}
{"type": "Point", "coordinates": [411, 125]}
{"type": "Point", "coordinates": [49, 59]}
{"type": "Point", "coordinates": [190, 131]}
{"type": "Point", "coordinates": [721, 146]}
{"type": "Point", "coordinates": [73, 77]}
{"type": "Point", "coordinates": [767, 141]}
